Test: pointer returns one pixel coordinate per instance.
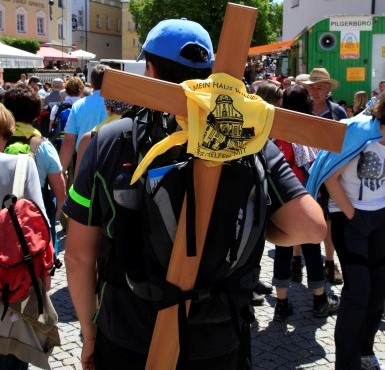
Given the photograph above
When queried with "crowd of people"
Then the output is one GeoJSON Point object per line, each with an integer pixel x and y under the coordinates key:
{"type": "Point", "coordinates": [120, 232]}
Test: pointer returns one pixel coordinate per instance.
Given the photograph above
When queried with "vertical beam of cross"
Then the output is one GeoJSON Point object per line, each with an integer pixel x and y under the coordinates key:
{"type": "Point", "coordinates": [232, 52]}
{"type": "Point", "coordinates": [159, 95]}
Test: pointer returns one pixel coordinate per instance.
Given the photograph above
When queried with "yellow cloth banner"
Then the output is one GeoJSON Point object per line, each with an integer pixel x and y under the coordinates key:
{"type": "Point", "coordinates": [26, 130]}
{"type": "Point", "coordinates": [108, 119]}
{"type": "Point", "coordinates": [224, 122]}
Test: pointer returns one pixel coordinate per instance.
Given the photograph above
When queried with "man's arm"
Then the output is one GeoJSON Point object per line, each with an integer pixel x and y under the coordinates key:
{"type": "Point", "coordinates": [296, 218]}
{"type": "Point", "coordinates": [57, 184]}
{"type": "Point", "coordinates": [337, 192]}
{"type": "Point", "coordinates": [67, 150]}
{"type": "Point", "coordinates": [298, 221]}
{"type": "Point", "coordinates": [84, 141]}
{"type": "Point", "coordinates": [80, 259]}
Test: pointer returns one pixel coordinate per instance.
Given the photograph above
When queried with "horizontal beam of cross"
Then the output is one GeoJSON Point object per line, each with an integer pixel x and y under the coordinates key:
{"type": "Point", "coordinates": [288, 125]}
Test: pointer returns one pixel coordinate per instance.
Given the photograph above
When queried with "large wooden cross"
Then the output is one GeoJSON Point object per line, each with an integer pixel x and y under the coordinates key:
{"type": "Point", "coordinates": [237, 30]}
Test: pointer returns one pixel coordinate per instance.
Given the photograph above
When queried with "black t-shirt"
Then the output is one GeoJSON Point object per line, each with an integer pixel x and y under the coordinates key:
{"type": "Point", "coordinates": [124, 318]}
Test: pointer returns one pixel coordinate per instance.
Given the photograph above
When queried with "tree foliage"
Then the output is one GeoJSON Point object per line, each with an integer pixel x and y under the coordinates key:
{"type": "Point", "coordinates": [276, 17]}
{"type": "Point", "coordinates": [209, 13]}
{"type": "Point", "coordinates": [32, 46]}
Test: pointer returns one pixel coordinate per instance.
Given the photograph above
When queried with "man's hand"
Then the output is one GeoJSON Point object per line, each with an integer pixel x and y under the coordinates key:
{"type": "Point", "coordinates": [87, 357]}
{"type": "Point", "coordinates": [358, 224]}
{"type": "Point", "coordinates": [47, 282]}
{"type": "Point", "coordinates": [67, 150]}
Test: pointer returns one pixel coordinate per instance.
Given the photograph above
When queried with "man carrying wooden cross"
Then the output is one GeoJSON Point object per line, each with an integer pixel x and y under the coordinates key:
{"type": "Point", "coordinates": [136, 221]}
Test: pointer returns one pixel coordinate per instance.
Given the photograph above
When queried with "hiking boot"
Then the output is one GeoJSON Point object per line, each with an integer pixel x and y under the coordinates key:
{"type": "Point", "coordinates": [283, 309]}
{"type": "Point", "coordinates": [296, 270]}
{"type": "Point", "coordinates": [263, 288]}
{"type": "Point", "coordinates": [257, 300]}
{"type": "Point", "coordinates": [325, 305]}
{"type": "Point", "coordinates": [332, 273]}
{"type": "Point", "coordinates": [371, 363]}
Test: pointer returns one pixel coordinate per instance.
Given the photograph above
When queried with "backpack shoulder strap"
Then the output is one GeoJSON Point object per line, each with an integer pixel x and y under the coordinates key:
{"type": "Point", "coordinates": [62, 106]}
{"type": "Point", "coordinates": [20, 175]}
{"type": "Point", "coordinates": [335, 111]}
{"type": "Point", "coordinates": [34, 143]}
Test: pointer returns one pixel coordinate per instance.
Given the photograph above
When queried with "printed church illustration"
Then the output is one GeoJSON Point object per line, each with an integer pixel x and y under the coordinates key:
{"type": "Point", "coordinates": [224, 127]}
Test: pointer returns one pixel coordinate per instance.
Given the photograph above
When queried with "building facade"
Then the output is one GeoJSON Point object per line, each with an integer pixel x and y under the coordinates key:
{"type": "Point", "coordinates": [97, 27]}
{"type": "Point", "coordinates": [299, 14]}
{"type": "Point", "coordinates": [102, 27]}
{"type": "Point", "coordinates": [130, 41]}
{"type": "Point", "coordinates": [45, 21]}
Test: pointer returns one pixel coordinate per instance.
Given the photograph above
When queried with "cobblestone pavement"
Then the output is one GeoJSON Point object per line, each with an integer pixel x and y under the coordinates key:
{"type": "Point", "coordinates": [303, 342]}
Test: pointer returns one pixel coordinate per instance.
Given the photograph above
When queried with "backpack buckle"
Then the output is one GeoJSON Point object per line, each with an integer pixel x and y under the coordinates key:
{"type": "Point", "coordinates": [27, 258]}
{"type": "Point", "coordinates": [201, 295]}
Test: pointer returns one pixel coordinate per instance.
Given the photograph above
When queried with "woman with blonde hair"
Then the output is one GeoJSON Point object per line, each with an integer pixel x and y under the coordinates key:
{"type": "Point", "coordinates": [7, 126]}
{"type": "Point", "coordinates": [359, 103]}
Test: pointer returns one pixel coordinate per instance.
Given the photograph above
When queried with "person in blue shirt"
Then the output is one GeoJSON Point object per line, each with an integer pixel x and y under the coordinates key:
{"type": "Point", "coordinates": [46, 157]}
{"type": "Point", "coordinates": [18, 337]}
{"type": "Point", "coordinates": [85, 114]}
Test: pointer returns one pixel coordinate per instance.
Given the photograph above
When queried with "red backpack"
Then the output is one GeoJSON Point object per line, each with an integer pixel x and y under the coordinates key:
{"type": "Point", "coordinates": [26, 251]}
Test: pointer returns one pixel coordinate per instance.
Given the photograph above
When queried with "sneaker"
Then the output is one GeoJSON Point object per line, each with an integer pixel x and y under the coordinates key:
{"type": "Point", "coordinates": [296, 270]}
{"type": "Point", "coordinates": [326, 308]}
{"type": "Point", "coordinates": [283, 309]}
{"type": "Point", "coordinates": [371, 363]}
{"type": "Point", "coordinates": [263, 288]}
{"type": "Point", "coordinates": [257, 300]}
{"type": "Point", "coordinates": [332, 273]}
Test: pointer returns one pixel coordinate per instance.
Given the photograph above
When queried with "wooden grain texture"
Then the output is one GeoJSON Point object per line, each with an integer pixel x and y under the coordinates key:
{"type": "Point", "coordinates": [165, 96]}
{"type": "Point", "coordinates": [182, 270]}
{"type": "Point", "coordinates": [308, 130]}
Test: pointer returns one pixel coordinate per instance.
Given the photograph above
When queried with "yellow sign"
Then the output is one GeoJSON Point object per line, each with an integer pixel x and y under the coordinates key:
{"type": "Point", "coordinates": [350, 45]}
{"type": "Point", "coordinates": [356, 74]}
{"type": "Point", "coordinates": [36, 3]}
{"type": "Point", "coordinates": [383, 52]}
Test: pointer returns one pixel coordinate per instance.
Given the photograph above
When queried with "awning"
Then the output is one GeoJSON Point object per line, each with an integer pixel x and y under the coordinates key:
{"type": "Point", "coordinates": [11, 57]}
{"type": "Point", "coordinates": [49, 53]}
{"type": "Point", "coordinates": [82, 54]}
{"type": "Point", "coordinates": [56, 44]}
{"type": "Point", "coordinates": [275, 48]}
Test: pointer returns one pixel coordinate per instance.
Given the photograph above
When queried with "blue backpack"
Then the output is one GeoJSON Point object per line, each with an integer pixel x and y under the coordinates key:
{"type": "Point", "coordinates": [59, 123]}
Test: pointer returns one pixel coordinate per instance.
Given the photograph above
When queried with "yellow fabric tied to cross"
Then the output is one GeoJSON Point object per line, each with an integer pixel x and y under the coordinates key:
{"type": "Point", "coordinates": [26, 130]}
{"type": "Point", "coordinates": [224, 122]}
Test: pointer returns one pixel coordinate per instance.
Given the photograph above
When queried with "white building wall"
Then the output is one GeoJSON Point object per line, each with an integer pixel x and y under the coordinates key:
{"type": "Point", "coordinates": [380, 7]}
{"type": "Point", "coordinates": [309, 12]}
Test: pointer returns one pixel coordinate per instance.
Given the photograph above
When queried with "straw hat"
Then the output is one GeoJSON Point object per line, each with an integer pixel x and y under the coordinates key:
{"type": "Point", "coordinates": [321, 75]}
{"type": "Point", "coordinates": [301, 78]}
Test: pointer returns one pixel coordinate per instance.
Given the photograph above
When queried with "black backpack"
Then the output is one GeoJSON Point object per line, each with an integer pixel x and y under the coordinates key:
{"type": "Point", "coordinates": [42, 122]}
{"type": "Point", "coordinates": [141, 250]}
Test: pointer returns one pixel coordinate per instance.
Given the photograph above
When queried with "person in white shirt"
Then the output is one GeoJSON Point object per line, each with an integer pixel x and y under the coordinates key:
{"type": "Point", "coordinates": [74, 89]}
{"type": "Point", "coordinates": [357, 213]}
